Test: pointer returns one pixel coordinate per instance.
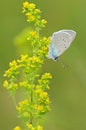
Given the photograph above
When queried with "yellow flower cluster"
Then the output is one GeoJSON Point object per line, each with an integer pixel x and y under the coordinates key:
{"type": "Point", "coordinates": [23, 60]}
{"type": "Point", "coordinates": [33, 14]}
{"type": "Point", "coordinates": [11, 87]}
{"type": "Point", "coordinates": [41, 109]}
{"type": "Point", "coordinates": [25, 84]}
{"type": "Point", "coordinates": [36, 60]}
{"type": "Point", "coordinates": [30, 62]}
{"type": "Point", "coordinates": [34, 34]}
{"type": "Point", "coordinates": [39, 127]}
{"type": "Point", "coordinates": [24, 72]}
{"type": "Point", "coordinates": [42, 97]}
{"type": "Point", "coordinates": [13, 70]}
{"type": "Point", "coordinates": [44, 45]}
{"type": "Point", "coordinates": [45, 40]}
{"type": "Point", "coordinates": [44, 81]}
{"type": "Point", "coordinates": [27, 5]}
{"type": "Point", "coordinates": [33, 38]}
{"type": "Point", "coordinates": [30, 17]}
{"type": "Point", "coordinates": [17, 128]}
{"type": "Point", "coordinates": [34, 128]}
{"type": "Point", "coordinates": [23, 109]}
{"type": "Point", "coordinates": [30, 127]}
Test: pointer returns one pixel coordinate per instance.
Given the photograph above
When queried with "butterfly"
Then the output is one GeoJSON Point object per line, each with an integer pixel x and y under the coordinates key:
{"type": "Point", "coordinates": [60, 42]}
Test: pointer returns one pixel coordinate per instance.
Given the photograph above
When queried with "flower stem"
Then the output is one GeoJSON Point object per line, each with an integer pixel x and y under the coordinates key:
{"type": "Point", "coordinates": [31, 118]}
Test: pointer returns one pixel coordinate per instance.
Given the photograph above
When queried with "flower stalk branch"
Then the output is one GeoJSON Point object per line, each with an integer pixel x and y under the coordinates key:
{"type": "Point", "coordinates": [24, 73]}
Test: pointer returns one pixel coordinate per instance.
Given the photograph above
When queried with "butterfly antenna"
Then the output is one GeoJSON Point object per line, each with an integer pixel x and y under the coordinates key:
{"type": "Point", "coordinates": [63, 64]}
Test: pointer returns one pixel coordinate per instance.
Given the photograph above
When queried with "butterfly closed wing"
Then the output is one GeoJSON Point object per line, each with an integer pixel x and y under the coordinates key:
{"type": "Point", "coordinates": [60, 42]}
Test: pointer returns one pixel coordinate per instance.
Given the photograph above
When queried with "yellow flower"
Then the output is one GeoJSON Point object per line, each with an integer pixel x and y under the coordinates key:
{"type": "Point", "coordinates": [31, 17]}
{"type": "Point", "coordinates": [45, 48]}
{"type": "Point", "coordinates": [13, 63]}
{"type": "Point", "coordinates": [38, 90]}
{"type": "Point", "coordinates": [37, 11]}
{"type": "Point", "coordinates": [24, 57]}
{"type": "Point", "coordinates": [40, 108]}
{"type": "Point", "coordinates": [35, 60]}
{"type": "Point", "coordinates": [47, 101]}
{"type": "Point", "coordinates": [23, 60]}
{"type": "Point", "coordinates": [17, 128]}
{"type": "Point", "coordinates": [33, 33]}
{"type": "Point", "coordinates": [43, 94]}
{"type": "Point", "coordinates": [25, 4]}
{"type": "Point", "coordinates": [32, 6]}
{"type": "Point", "coordinates": [47, 75]}
{"type": "Point", "coordinates": [18, 109]}
{"type": "Point", "coordinates": [30, 126]}
{"type": "Point", "coordinates": [26, 114]}
{"type": "Point", "coordinates": [24, 102]}
{"type": "Point", "coordinates": [6, 83]}
{"type": "Point", "coordinates": [25, 85]}
{"type": "Point", "coordinates": [43, 22]}
{"type": "Point", "coordinates": [39, 127]}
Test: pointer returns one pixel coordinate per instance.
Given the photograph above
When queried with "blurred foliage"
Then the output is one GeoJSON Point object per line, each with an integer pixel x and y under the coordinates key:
{"type": "Point", "coordinates": [68, 90]}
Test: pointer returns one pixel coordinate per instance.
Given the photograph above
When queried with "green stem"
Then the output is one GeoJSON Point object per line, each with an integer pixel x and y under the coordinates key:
{"type": "Point", "coordinates": [31, 118]}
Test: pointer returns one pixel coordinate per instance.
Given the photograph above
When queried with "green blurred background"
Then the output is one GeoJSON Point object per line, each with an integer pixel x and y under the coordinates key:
{"type": "Point", "coordinates": [68, 86]}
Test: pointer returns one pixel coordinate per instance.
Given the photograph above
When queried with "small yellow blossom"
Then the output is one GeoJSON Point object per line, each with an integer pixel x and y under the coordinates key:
{"type": "Point", "coordinates": [30, 126]}
{"type": "Point", "coordinates": [17, 128]}
{"type": "Point", "coordinates": [44, 21]}
{"type": "Point", "coordinates": [39, 127]}
{"type": "Point", "coordinates": [43, 94]}
{"type": "Point", "coordinates": [37, 11]}
{"type": "Point", "coordinates": [14, 86]}
{"type": "Point", "coordinates": [13, 63]}
{"type": "Point", "coordinates": [31, 17]}
{"type": "Point", "coordinates": [40, 108]}
{"type": "Point", "coordinates": [13, 70]}
{"type": "Point", "coordinates": [24, 102]}
{"type": "Point", "coordinates": [26, 114]}
{"type": "Point", "coordinates": [6, 83]}
{"type": "Point", "coordinates": [18, 108]}
{"type": "Point", "coordinates": [36, 59]}
{"type": "Point", "coordinates": [38, 91]}
{"type": "Point", "coordinates": [23, 61]}
{"type": "Point", "coordinates": [25, 85]}
{"type": "Point", "coordinates": [47, 101]}
{"type": "Point", "coordinates": [32, 6]}
{"type": "Point", "coordinates": [33, 33]}
{"type": "Point", "coordinates": [47, 75]}
{"type": "Point", "coordinates": [25, 4]}
{"type": "Point", "coordinates": [22, 105]}
{"type": "Point", "coordinates": [24, 57]}
{"type": "Point", "coordinates": [44, 48]}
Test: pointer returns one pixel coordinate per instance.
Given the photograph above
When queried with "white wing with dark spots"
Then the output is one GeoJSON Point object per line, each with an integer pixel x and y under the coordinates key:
{"type": "Point", "coordinates": [60, 42]}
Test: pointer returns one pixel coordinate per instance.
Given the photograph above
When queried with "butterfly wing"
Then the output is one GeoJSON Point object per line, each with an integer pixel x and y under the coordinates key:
{"type": "Point", "coordinates": [71, 32]}
{"type": "Point", "coordinates": [52, 53]}
{"type": "Point", "coordinates": [62, 40]}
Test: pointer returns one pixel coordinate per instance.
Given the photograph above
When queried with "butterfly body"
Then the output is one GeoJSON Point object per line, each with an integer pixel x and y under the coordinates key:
{"type": "Point", "coordinates": [60, 42]}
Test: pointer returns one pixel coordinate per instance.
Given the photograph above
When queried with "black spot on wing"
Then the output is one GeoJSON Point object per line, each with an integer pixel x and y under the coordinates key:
{"type": "Point", "coordinates": [64, 41]}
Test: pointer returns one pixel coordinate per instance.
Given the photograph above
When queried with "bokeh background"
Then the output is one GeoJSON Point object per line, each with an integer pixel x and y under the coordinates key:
{"type": "Point", "coordinates": [68, 86]}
